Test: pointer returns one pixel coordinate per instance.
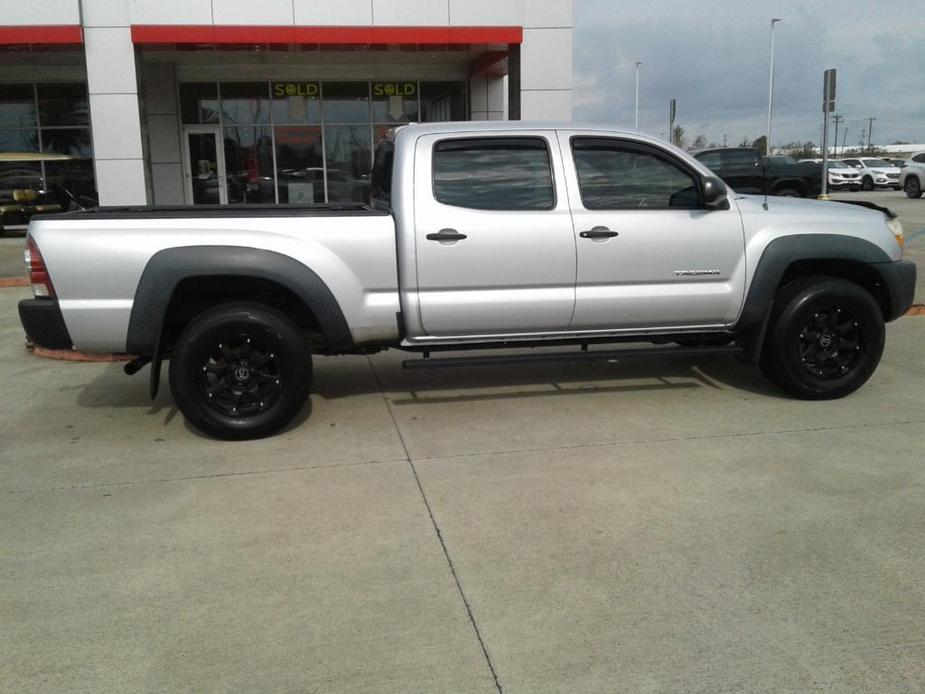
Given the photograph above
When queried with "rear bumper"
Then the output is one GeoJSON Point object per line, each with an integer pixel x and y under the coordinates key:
{"type": "Point", "coordinates": [899, 280]}
{"type": "Point", "coordinates": [44, 326]}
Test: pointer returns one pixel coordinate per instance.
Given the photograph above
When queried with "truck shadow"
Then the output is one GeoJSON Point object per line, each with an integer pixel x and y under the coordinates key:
{"type": "Point", "coordinates": [344, 377]}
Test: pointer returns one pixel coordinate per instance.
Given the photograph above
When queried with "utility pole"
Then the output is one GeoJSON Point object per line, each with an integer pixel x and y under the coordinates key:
{"type": "Point", "coordinates": [836, 119]}
{"type": "Point", "coordinates": [828, 105]}
{"type": "Point", "coordinates": [771, 88]}
{"type": "Point", "coordinates": [870, 128]}
{"type": "Point", "coordinates": [724, 140]}
{"type": "Point", "coordinates": [637, 94]}
{"type": "Point", "coordinates": [672, 112]}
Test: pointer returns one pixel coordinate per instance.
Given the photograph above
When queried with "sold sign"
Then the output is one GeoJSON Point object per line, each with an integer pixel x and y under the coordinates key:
{"type": "Point", "coordinates": [306, 89]}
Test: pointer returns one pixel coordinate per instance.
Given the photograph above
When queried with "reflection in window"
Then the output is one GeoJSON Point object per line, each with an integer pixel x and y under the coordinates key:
{"type": "Point", "coordinates": [19, 141]}
{"type": "Point", "coordinates": [612, 176]}
{"type": "Point", "coordinates": [63, 104]}
{"type": "Point", "coordinates": [199, 102]}
{"type": "Point", "coordinates": [17, 106]}
{"type": "Point", "coordinates": [345, 102]}
{"type": "Point", "coordinates": [245, 103]}
{"type": "Point", "coordinates": [493, 173]}
{"type": "Point", "coordinates": [443, 101]}
{"type": "Point", "coordinates": [299, 165]}
{"type": "Point", "coordinates": [349, 157]}
{"type": "Point", "coordinates": [72, 141]}
{"type": "Point", "coordinates": [17, 176]}
{"type": "Point", "coordinates": [249, 164]}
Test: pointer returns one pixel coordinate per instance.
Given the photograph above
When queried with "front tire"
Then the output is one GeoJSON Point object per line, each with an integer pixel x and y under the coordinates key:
{"type": "Point", "coordinates": [913, 188]}
{"type": "Point", "coordinates": [867, 184]}
{"type": "Point", "coordinates": [240, 371]}
{"type": "Point", "coordinates": [824, 340]}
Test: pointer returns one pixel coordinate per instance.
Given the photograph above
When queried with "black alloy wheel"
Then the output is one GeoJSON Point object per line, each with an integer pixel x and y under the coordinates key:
{"type": "Point", "coordinates": [240, 371]}
{"type": "Point", "coordinates": [913, 188]}
{"type": "Point", "coordinates": [824, 339]}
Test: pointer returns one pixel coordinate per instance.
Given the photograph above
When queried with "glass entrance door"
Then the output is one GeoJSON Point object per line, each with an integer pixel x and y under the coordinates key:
{"type": "Point", "coordinates": [204, 163]}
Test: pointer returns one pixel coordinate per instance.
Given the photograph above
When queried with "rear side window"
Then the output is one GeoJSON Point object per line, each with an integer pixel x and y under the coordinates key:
{"type": "Point", "coordinates": [494, 173]}
{"type": "Point", "coordinates": [740, 157]}
{"type": "Point", "coordinates": [919, 158]}
{"type": "Point", "coordinates": [710, 159]}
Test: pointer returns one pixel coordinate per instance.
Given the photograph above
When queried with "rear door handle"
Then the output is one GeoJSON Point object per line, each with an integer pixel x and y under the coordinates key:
{"type": "Point", "coordinates": [598, 233]}
{"type": "Point", "coordinates": [446, 235]}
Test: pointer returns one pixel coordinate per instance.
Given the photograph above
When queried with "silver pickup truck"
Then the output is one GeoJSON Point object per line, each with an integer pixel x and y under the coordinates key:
{"type": "Point", "coordinates": [477, 235]}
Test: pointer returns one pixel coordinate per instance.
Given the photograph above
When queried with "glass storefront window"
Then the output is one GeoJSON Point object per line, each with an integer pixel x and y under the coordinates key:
{"type": "Point", "coordinates": [345, 102]}
{"type": "Point", "coordinates": [199, 102]}
{"type": "Point", "coordinates": [19, 140]}
{"type": "Point", "coordinates": [443, 101]}
{"type": "Point", "coordinates": [249, 164]}
{"type": "Point", "coordinates": [244, 102]}
{"type": "Point", "coordinates": [394, 102]}
{"type": "Point", "coordinates": [299, 165]}
{"type": "Point", "coordinates": [73, 141]}
{"type": "Point", "coordinates": [349, 159]}
{"type": "Point", "coordinates": [63, 104]}
{"type": "Point", "coordinates": [296, 102]}
{"type": "Point", "coordinates": [17, 106]}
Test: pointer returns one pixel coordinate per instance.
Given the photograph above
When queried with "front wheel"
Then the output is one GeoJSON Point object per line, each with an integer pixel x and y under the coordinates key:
{"type": "Point", "coordinates": [824, 340]}
{"type": "Point", "coordinates": [913, 188]}
{"type": "Point", "coordinates": [867, 183]}
{"type": "Point", "coordinates": [240, 371]}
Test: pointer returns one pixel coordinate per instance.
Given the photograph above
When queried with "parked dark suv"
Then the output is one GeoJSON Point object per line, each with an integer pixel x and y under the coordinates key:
{"type": "Point", "coordinates": [743, 168]}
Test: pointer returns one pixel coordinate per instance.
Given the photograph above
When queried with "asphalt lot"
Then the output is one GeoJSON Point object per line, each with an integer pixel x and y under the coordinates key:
{"type": "Point", "coordinates": [659, 526]}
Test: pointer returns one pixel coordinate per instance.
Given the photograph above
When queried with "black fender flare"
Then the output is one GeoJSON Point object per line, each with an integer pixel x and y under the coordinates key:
{"type": "Point", "coordinates": [777, 257]}
{"type": "Point", "coordinates": [167, 268]}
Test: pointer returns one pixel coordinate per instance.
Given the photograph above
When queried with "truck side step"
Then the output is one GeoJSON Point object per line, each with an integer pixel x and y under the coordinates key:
{"type": "Point", "coordinates": [614, 355]}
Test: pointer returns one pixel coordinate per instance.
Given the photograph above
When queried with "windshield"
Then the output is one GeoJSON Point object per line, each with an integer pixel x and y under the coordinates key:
{"type": "Point", "coordinates": [838, 165]}
{"type": "Point", "coordinates": [875, 162]}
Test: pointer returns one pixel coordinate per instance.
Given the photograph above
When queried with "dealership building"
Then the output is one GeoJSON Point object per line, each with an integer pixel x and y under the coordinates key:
{"type": "Point", "coordinates": [276, 101]}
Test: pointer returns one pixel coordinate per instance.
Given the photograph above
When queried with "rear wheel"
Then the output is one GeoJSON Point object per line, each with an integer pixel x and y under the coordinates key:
{"type": "Point", "coordinates": [825, 338]}
{"type": "Point", "coordinates": [240, 371]}
{"type": "Point", "coordinates": [913, 187]}
{"type": "Point", "coordinates": [788, 193]}
{"type": "Point", "coordinates": [867, 183]}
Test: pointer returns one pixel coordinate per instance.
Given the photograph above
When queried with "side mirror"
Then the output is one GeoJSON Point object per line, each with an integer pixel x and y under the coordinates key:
{"type": "Point", "coordinates": [714, 193]}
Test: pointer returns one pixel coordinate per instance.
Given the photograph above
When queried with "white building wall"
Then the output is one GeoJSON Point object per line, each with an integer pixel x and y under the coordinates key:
{"type": "Point", "coordinates": [115, 120]}
{"type": "Point", "coordinates": [546, 61]}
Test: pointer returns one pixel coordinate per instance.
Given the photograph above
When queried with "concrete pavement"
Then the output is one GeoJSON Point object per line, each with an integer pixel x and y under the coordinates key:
{"type": "Point", "coordinates": [657, 526]}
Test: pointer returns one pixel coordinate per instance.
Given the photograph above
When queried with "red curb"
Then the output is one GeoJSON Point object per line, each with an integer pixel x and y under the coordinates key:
{"type": "Point", "coordinates": [917, 310]}
{"type": "Point", "coordinates": [14, 281]}
{"type": "Point", "coordinates": [70, 355]}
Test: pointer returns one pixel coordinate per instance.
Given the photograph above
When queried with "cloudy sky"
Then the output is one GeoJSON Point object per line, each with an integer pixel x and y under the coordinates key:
{"type": "Point", "coordinates": [712, 56]}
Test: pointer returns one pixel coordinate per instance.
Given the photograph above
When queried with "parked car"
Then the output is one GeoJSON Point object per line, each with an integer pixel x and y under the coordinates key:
{"type": "Point", "coordinates": [874, 172]}
{"type": "Point", "coordinates": [912, 175]}
{"type": "Point", "coordinates": [743, 168]}
{"type": "Point", "coordinates": [841, 176]}
{"type": "Point", "coordinates": [499, 235]}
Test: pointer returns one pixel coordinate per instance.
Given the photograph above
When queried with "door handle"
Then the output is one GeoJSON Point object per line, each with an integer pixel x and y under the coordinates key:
{"type": "Point", "coordinates": [598, 233]}
{"type": "Point", "coordinates": [446, 235]}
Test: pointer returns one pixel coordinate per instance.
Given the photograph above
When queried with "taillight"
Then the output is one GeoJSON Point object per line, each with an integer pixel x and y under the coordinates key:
{"type": "Point", "coordinates": [38, 273]}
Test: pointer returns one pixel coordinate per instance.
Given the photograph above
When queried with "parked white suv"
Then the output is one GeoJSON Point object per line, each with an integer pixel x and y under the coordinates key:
{"type": "Point", "coordinates": [841, 176]}
{"type": "Point", "coordinates": [875, 172]}
{"type": "Point", "coordinates": [912, 175]}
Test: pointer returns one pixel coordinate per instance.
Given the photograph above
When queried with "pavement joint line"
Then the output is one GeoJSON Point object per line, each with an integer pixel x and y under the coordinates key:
{"type": "Point", "coordinates": [433, 520]}
{"type": "Point", "coordinates": [192, 478]}
{"type": "Point", "coordinates": [670, 439]}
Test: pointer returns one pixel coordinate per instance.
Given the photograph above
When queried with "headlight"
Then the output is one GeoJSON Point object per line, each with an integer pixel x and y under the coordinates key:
{"type": "Point", "coordinates": [896, 228]}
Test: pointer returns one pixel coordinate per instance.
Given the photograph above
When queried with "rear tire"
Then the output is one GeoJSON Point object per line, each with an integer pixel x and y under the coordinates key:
{"type": "Point", "coordinates": [913, 187]}
{"type": "Point", "coordinates": [240, 371]}
{"type": "Point", "coordinates": [824, 340]}
{"type": "Point", "coordinates": [788, 193]}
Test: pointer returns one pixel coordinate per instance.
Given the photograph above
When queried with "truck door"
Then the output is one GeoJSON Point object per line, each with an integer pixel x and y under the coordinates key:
{"type": "Point", "coordinates": [494, 244]}
{"type": "Point", "coordinates": [649, 254]}
{"type": "Point", "coordinates": [743, 170]}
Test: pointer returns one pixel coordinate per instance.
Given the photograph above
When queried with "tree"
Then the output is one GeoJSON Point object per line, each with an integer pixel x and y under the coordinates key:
{"type": "Point", "coordinates": [700, 142]}
{"type": "Point", "coordinates": [760, 143]}
{"type": "Point", "coordinates": [798, 150]}
{"type": "Point", "coordinates": [678, 137]}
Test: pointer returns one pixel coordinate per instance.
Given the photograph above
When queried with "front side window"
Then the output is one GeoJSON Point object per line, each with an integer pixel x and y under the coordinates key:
{"type": "Point", "coordinates": [614, 175]}
{"type": "Point", "coordinates": [740, 157]}
{"type": "Point", "coordinates": [494, 173]}
{"type": "Point", "coordinates": [919, 158]}
{"type": "Point", "coordinates": [852, 162]}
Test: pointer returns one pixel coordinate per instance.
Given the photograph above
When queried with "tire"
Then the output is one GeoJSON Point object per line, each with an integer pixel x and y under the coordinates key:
{"type": "Point", "coordinates": [913, 187]}
{"type": "Point", "coordinates": [240, 371]}
{"type": "Point", "coordinates": [788, 193]}
{"type": "Point", "coordinates": [824, 340]}
{"type": "Point", "coordinates": [867, 183]}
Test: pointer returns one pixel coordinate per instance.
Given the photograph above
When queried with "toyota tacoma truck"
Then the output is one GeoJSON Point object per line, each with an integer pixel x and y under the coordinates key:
{"type": "Point", "coordinates": [504, 235]}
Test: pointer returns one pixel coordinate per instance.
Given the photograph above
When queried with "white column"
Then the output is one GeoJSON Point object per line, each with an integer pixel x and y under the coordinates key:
{"type": "Point", "coordinates": [546, 61]}
{"type": "Point", "coordinates": [114, 113]}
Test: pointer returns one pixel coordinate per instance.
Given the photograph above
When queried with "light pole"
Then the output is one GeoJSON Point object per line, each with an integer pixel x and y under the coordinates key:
{"type": "Point", "coordinates": [870, 127]}
{"type": "Point", "coordinates": [771, 87]}
{"type": "Point", "coordinates": [637, 94]}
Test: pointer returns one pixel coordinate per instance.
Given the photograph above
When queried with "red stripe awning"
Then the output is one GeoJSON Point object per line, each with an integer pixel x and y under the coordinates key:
{"type": "Point", "coordinates": [41, 34]}
{"type": "Point", "coordinates": [333, 35]}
